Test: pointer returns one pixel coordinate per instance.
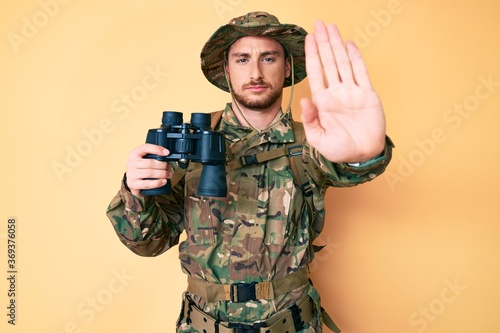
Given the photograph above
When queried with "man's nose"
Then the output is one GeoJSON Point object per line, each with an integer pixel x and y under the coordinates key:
{"type": "Point", "coordinates": [255, 71]}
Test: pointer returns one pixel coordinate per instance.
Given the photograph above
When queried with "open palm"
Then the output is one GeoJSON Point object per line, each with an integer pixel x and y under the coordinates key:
{"type": "Point", "coordinates": [344, 119]}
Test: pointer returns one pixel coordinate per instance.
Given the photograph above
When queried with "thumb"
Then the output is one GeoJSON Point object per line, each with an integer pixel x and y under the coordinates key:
{"type": "Point", "coordinates": [309, 114]}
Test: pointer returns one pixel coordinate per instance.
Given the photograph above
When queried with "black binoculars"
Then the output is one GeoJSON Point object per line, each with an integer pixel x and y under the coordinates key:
{"type": "Point", "coordinates": [194, 142]}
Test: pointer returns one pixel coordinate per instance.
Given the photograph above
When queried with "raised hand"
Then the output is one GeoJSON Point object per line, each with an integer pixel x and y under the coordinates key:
{"type": "Point", "coordinates": [344, 119]}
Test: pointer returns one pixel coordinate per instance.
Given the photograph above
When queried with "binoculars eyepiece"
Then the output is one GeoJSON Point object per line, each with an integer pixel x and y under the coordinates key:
{"type": "Point", "coordinates": [194, 141]}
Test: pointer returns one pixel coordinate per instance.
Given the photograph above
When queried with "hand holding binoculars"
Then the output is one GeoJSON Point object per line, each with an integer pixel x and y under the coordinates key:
{"type": "Point", "coordinates": [196, 142]}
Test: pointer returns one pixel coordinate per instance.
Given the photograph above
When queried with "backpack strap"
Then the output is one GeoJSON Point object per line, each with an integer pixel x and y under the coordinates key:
{"type": "Point", "coordinates": [179, 173]}
{"type": "Point", "coordinates": [215, 118]}
{"type": "Point", "coordinates": [292, 150]}
{"type": "Point", "coordinates": [296, 161]}
{"type": "Point", "coordinates": [289, 150]}
{"type": "Point", "coordinates": [328, 321]}
{"type": "Point", "coordinates": [303, 181]}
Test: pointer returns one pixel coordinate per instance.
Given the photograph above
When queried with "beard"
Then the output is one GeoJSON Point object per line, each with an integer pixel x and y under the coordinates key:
{"type": "Point", "coordinates": [259, 102]}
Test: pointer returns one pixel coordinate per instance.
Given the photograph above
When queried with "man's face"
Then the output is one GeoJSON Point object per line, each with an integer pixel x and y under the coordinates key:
{"type": "Point", "coordinates": [257, 70]}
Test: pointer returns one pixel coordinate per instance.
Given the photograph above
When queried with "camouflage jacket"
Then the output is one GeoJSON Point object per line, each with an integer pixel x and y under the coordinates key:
{"type": "Point", "coordinates": [259, 232]}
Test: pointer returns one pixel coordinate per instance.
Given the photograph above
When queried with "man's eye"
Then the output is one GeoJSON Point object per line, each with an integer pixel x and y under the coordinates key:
{"type": "Point", "coordinates": [241, 60]}
{"type": "Point", "coordinates": [268, 59]}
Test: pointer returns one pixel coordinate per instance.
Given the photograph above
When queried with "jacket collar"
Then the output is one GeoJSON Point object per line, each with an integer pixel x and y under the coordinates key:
{"type": "Point", "coordinates": [280, 132]}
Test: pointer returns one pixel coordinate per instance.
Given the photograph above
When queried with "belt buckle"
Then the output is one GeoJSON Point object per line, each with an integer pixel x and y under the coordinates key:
{"type": "Point", "coordinates": [242, 328]}
{"type": "Point", "coordinates": [242, 292]}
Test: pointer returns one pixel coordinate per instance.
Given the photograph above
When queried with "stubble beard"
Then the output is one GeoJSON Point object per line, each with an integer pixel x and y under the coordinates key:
{"type": "Point", "coordinates": [258, 103]}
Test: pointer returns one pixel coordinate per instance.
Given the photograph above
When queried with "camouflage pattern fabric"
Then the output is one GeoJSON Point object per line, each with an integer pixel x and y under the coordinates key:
{"type": "Point", "coordinates": [259, 232]}
{"type": "Point", "coordinates": [291, 36]}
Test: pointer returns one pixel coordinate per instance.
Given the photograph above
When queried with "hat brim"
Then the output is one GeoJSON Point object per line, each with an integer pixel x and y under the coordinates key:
{"type": "Point", "coordinates": [213, 53]}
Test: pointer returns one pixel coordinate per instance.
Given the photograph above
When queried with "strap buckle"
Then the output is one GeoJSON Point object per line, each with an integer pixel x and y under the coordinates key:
{"type": "Point", "coordinates": [295, 150]}
{"type": "Point", "coordinates": [243, 292]}
{"type": "Point", "coordinates": [248, 159]}
{"type": "Point", "coordinates": [307, 189]}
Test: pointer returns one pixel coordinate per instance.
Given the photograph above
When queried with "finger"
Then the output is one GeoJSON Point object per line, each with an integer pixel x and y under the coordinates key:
{"type": "Point", "coordinates": [328, 60]}
{"type": "Point", "coordinates": [340, 53]}
{"type": "Point", "coordinates": [137, 185]}
{"type": "Point", "coordinates": [313, 64]}
{"type": "Point", "coordinates": [138, 179]}
{"type": "Point", "coordinates": [359, 69]}
{"type": "Point", "coordinates": [140, 174]}
{"type": "Point", "coordinates": [147, 163]}
{"type": "Point", "coordinates": [148, 148]}
{"type": "Point", "coordinates": [311, 122]}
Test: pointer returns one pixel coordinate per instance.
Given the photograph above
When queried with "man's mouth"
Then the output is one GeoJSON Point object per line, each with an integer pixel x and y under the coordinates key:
{"type": "Point", "coordinates": [256, 87]}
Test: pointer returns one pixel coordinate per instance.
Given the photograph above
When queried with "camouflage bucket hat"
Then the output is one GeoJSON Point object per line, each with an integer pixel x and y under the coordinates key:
{"type": "Point", "coordinates": [253, 24]}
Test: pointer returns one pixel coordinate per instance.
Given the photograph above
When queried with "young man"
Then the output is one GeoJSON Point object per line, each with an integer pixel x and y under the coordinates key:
{"type": "Point", "coordinates": [247, 254]}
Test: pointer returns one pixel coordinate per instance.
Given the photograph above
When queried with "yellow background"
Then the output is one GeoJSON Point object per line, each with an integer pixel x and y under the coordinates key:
{"type": "Point", "coordinates": [416, 250]}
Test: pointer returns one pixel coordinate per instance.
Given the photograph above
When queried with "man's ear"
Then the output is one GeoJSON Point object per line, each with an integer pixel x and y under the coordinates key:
{"type": "Point", "coordinates": [226, 70]}
{"type": "Point", "coordinates": [287, 67]}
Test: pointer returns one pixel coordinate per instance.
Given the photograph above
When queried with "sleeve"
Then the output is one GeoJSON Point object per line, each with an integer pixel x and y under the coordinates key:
{"type": "Point", "coordinates": [150, 225]}
{"type": "Point", "coordinates": [325, 173]}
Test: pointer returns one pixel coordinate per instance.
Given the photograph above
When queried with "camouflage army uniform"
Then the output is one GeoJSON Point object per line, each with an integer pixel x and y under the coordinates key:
{"type": "Point", "coordinates": [259, 232]}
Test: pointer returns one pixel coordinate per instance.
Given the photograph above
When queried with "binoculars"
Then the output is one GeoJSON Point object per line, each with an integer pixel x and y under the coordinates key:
{"type": "Point", "coordinates": [196, 142]}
